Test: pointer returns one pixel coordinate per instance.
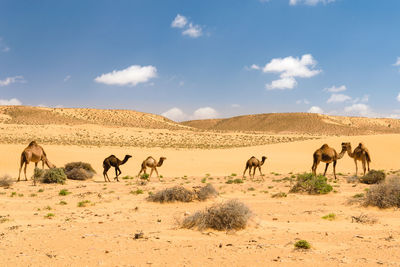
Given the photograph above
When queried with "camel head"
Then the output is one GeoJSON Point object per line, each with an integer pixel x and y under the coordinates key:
{"type": "Point", "coordinates": [160, 162]}
{"type": "Point", "coordinates": [346, 146]}
{"type": "Point", "coordinates": [128, 156]}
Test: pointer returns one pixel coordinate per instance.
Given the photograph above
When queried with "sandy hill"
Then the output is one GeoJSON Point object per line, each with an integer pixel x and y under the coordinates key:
{"type": "Point", "coordinates": [26, 115]}
{"type": "Point", "coordinates": [300, 123]}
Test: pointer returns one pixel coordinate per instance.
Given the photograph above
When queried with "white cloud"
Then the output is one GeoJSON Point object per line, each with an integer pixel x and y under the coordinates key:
{"type": "Point", "coordinates": [179, 21]}
{"type": "Point", "coordinates": [398, 97]}
{"type": "Point", "coordinates": [10, 102]}
{"type": "Point", "coordinates": [310, 2]}
{"type": "Point", "coordinates": [10, 80]}
{"type": "Point", "coordinates": [282, 84]}
{"type": "Point", "coordinates": [397, 62]}
{"type": "Point", "coordinates": [175, 114]}
{"type": "Point", "coordinates": [67, 78]}
{"type": "Point", "coordinates": [335, 89]}
{"type": "Point", "coordinates": [315, 109]}
{"type": "Point", "coordinates": [302, 101]}
{"type": "Point", "coordinates": [205, 113]}
{"type": "Point", "coordinates": [254, 67]}
{"type": "Point", "coordinates": [193, 31]}
{"type": "Point", "coordinates": [338, 98]}
{"type": "Point", "coordinates": [361, 109]}
{"type": "Point", "coordinates": [290, 68]}
{"type": "Point", "coordinates": [131, 76]}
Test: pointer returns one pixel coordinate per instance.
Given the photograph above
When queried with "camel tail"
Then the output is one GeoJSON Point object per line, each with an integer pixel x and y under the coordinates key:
{"type": "Point", "coordinates": [367, 156]}
{"type": "Point", "coordinates": [23, 158]}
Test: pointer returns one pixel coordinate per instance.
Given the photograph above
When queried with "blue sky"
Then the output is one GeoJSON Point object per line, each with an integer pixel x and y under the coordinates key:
{"type": "Point", "coordinates": [203, 59]}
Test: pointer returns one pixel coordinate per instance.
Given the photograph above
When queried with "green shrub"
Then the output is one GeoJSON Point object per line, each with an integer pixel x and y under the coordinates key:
{"type": "Point", "coordinates": [235, 181]}
{"type": "Point", "coordinates": [83, 203]}
{"type": "Point", "coordinates": [311, 184]}
{"type": "Point", "coordinates": [373, 177]}
{"type": "Point", "coordinates": [302, 244]}
{"type": "Point", "coordinates": [50, 176]}
{"type": "Point", "coordinates": [49, 215]}
{"type": "Point", "coordinates": [231, 215]}
{"type": "Point", "coordinates": [137, 192]}
{"type": "Point", "coordinates": [384, 195]}
{"type": "Point", "coordinates": [64, 192]}
{"type": "Point", "coordinates": [329, 217]}
{"type": "Point", "coordinates": [145, 176]}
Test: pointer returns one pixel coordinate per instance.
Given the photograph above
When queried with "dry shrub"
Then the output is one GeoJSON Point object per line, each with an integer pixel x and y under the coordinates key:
{"type": "Point", "coordinates": [181, 194]}
{"type": "Point", "coordinates": [373, 177]}
{"type": "Point", "coordinates": [6, 181]}
{"type": "Point", "coordinates": [384, 195]}
{"type": "Point", "coordinates": [79, 170]}
{"type": "Point", "coordinates": [50, 176]}
{"type": "Point", "coordinates": [364, 219]}
{"type": "Point", "coordinates": [231, 215]}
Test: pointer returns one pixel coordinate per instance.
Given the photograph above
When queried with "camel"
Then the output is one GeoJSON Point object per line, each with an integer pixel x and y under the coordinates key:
{"type": "Point", "coordinates": [33, 153]}
{"type": "Point", "coordinates": [113, 161]}
{"type": "Point", "coordinates": [151, 163]}
{"type": "Point", "coordinates": [254, 163]}
{"type": "Point", "coordinates": [360, 153]}
{"type": "Point", "coordinates": [327, 154]}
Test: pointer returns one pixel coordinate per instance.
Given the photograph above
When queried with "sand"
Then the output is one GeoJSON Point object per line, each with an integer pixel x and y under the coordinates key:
{"type": "Point", "coordinates": [102, 233]}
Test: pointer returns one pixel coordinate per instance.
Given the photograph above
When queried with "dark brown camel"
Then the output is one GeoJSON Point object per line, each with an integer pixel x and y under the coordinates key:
{"type": "Point", "coordinates": [254, 163]}
{"type": "Point", "coordinates": [327, 154]}
{"type": "Point", "coordinates": [113, 161]}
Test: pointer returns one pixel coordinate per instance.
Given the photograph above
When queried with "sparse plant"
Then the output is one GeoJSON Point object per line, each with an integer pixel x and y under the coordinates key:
{"type": "Point", "coordinates": [329, 217]}
{"type": "Point", "coordinates": [384, 195]}
{"type": "Point", "coordinates": [127, 177]}
{"type": "Point", "coordinates": [373, 177]}
{"type": "Point", "coordinates": [231, 215]}
{"type": "Point", "coordinates": [311, 184]}
{"type": "Point", "coordinates": [204, 180]}
{"type": "Point", "coordinates": [41, 190]}
{"type": "Point", "coordinates": [363, 218]}
{"type": "Point", "coordinates": [144, 176]}
{"type": "Point", "coordinates": [279, 195]}
{"type": "Point", "coordinates": [360, 195]}
{"type": "Point", "coordinates": [62, 202]}
{"type": "Point", "coordinates": [33, 195]}
{"type": "Point", "coordinates": [137, 192]}
{"type": "Point", "coordinates": [83, 203]}
{"type": "Point", "coordinates": [6, 181]}
{"type": "Point", "coordinates": [64, 192]}
{"type": "Point", "coordinates": [13, 194]}
{"type": "Point", "coordinates": [233, 174]}
{"type": "Point", "coordinates": [181, 194]}
{"type": "Point", "coordinates": [206, 192]}
{"type": "Point", "coordinates": [251, 189]}
{"type": "Point", "coordinates": [54, 175]}
{"type": "Point", "coordinates": [235, 181]}
{"type": "Point", "coordinates": [302, 244]}
{"type": "Point", "coordinates": [49, 215]}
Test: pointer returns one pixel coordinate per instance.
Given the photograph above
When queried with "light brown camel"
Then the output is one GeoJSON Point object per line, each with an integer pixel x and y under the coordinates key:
{"type": "Point", "coordinates": [254, 163]}
{"type": "Point", "coordinates": [151, 163]}
{"type": "Point", "coordinates": [360, 153]}
{"type": "Point", "coordinates": [113, 161]}
{"type": "Point", "coordinates": [327, 154]}
{"type": "Point", "coordinates": [33, 153]}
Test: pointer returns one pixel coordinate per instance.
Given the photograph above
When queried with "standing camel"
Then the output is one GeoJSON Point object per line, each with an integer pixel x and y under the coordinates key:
{"type": "Point", "coordinates": [360, 153]}
{"type": "Point", "coordinates": [113, 161]}
{"type": "Point", "coordinates": [151, 163]}
{"type": "Point", "coordinates": [254, 163]}
{"type": "Point", "coordinates": [327, 154]}
{"type": "Point", "coordinates": [33, 153]}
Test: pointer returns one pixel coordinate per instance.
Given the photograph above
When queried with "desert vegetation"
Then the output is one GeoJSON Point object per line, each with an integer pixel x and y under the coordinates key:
{"type": "Point", "coordinates": [314, 185]}
{"type": "Point", "coordinates": [79, 171]}
{"type": "Point", "coordinates": [181, 194]}
{"type": "Point", "coordinates": [384, 195]}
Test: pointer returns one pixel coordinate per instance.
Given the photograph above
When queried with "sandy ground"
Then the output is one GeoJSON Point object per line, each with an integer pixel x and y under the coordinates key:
{"type": "Point", "coordinates": [102, 233]}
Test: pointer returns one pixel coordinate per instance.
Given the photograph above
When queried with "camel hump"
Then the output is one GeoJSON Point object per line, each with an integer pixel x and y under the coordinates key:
{"type": "Point", "coordinates": [33, 143]}
{"type": "Point", "coordinates": [324, 146]}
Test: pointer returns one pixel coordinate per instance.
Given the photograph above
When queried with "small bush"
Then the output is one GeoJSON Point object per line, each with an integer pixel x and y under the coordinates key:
{"type": "Point", "coordinates": [231, 215]}
{"type": "Point", "coordinates": [373, 177]}
{"type": "Point", "coordinates": [181, 194]}
{"type": "Point", "coordinates": [302, 244]}
{"type": "Point", "coordinates": [64, 192]}
{"type": "Point", "coordinates": [83, 203]}
{"type": "Point", "coordinates": [137, 192]}
{"type": "Point", "coordinates": [384, 195]}
{"type": "Point", "coordinates": [62, 202]}
{"type": "Point", "coordinates": [145, 176]}
{"type": "Point", "coordinates": [79, 171]}
{"type": "Point", "coordinates": [6, 181]}
{"type": "Point", "coordinates": [278, 195]}
{"type": "Point", "coordinates": [49, 215]}
{"type": "Point", "coordinates": [50, 176]}
{"type": "Point", "coordinates": [127, 177]}
{"type": "Point", "coordinates": [329, 217]}
{"type": "Point", "coordinates": [235, 181]}
{"type": "Point", "coordinates": [311, 184]}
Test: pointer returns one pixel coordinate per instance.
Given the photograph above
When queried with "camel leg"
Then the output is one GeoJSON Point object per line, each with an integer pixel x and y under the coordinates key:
{"type": "Point", "coordinates": [156, 172]}
{"type": "Point", "coordinates": [245, 170]}
{"type": "Point", "coordinates": [259, 168]}
{"type": "Point", "coordinates": [141, 170]}
{"type": "Point", "coordinates": [20, 168]}
{"type": "Point", "coordinates": [116, 173]}
{"type": "Point", "coordinates": [151, 172]}
{"type": "Point", "coordinates": [368, 165]}
{"type": "Point", "coordinates": [364, 168]}
{"type": "Point", "coordinates": [106, 168]}
{"type": "Point", "coordinates": [314, 166]}
{"type": "Point", "coordinates": [254, 171]}
{"type": "Point", "coordinates": [355, 161]}
{"type": "Point", "coordinates": [250, 172]}
{"type": "Point", "coordinates": [326, 168]}
{"type": "Point", "coordinates": [334, 169]}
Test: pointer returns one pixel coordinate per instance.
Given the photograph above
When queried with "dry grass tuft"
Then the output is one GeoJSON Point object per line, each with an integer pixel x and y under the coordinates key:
{"type": "Point", "coordinates": [384, 195]}
{"type": "Point", "coordinates": [181, 194]}
{"type": "Point", "coordinates": [79, 171]}
{"type": "Point", "coordinates": [231, 215]}
{"type": "Point", "coordinates": [364, 219]}
{"type": "Point", "coordinates": [206, 192]}
{"type": "Point", "coordinates": [373, 177]}
{"type": "Point", "coordinates": [6, 181]}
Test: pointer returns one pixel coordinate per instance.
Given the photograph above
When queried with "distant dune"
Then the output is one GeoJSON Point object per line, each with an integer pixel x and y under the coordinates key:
{"type": "Point", "coordinates": [26, 115]}
{"type": "Point", "coordinates": [300, 123]}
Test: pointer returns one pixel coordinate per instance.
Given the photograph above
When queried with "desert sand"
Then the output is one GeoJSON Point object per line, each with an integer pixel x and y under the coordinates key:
{"type": "Point", "coordinates": [102, 233]}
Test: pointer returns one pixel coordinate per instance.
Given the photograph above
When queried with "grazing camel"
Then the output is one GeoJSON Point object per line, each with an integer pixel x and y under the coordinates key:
{"type": "Point", "coordinates": [254, 163]}
{"type": "Point", "coordinates": [33, 153]}
{"type": "Point", "coordinates": [151, 163]}
{"type": "Point", "coordinates": [360, 153]}
{"type": "Point", "coordinates": [113, 161]}
{"type": "Point", "coordinates": [327, 154]}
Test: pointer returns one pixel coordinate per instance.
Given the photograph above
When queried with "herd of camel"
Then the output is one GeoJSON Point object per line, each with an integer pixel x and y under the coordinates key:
{"type": "Point", "coordinates": [35, 153]}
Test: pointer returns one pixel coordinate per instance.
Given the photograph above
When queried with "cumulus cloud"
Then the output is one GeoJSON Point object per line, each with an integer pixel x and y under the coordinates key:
{"type": "Point", "coordinates": [361, 109]}
{"type": "Point", "coordinates": [335, 89]}
{"type": "Point", "coordinates": [10, 80]}
{"type": "Point", "coordinates": [179, 21]}
{"type": "Point", "coordinates": [315, 109]}
{"type": "Point", "coordinates": [398, 97]}
{"type": "Point", "coordinates": [188, 28]}
{"type": "Point", "coordinates": [10, 102]}
{"type": "Point", "coordinates": [310, 2]}
{"type": "Point", "coordinates": [205, 113]}
{"type": "Point", "coordinates": [290, 68]}
{"type": "Point", "coordinates": [131, 76]}
{"type": "Point", "coordinates": [175, 114]}
{"type": "Point", "coordinates": [338, 98]}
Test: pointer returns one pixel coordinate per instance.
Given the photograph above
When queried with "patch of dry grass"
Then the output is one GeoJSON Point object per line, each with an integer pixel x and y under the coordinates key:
{"type": "Point", "coordinates": [373, 177]}
{"type": "Point", "coordinates": [6, 181]}
{"type": "Point", "coordinates": [384, 195]}
{"type": "Point", "coordinates": [79, 171]}
{"type": "Point", "coordinates": [231, 215]}
{"type": "Point", "coordinates": [181, 194]}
